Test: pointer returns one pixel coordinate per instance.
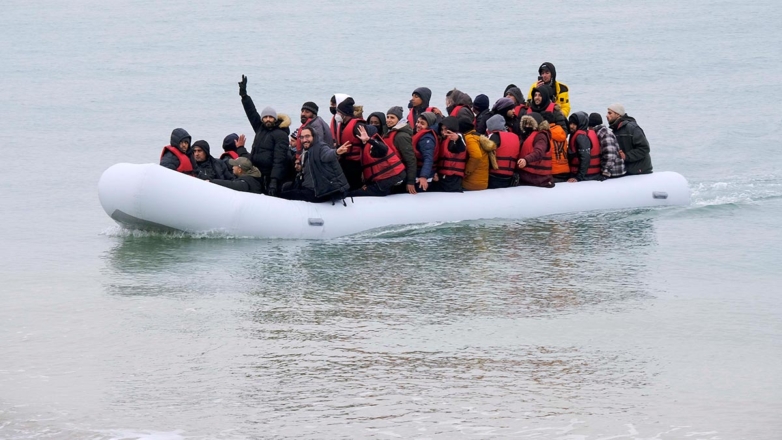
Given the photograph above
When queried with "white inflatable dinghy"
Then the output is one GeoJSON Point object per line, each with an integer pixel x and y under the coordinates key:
{"type": "Point", "coordinates": [151, 197]}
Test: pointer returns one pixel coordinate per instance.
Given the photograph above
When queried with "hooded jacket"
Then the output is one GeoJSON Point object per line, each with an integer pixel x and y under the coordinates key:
{"type": "Point", "coordinates": [382, 117]}
{"type": "Point", "coordinates": [464, 100]}
{"type": "Point", "coordinates": [501, 108]}
{"type": "Point", "coordinates": [270, 152]}
{"type": "Point", "coordinates": [632, 141]}
{"type": "Point", "coordinates": [211, 168]}
{"type": "Point", "coordinates": [403, 141]}
{"type": "Point", "coordinates": [546, 93]}
{"type": "Point", "coordinates": [229, 144]}
{"type": "Point", "coordinates": [476, 172]}
{"type": "Point", "coordinates": [426, 97]}
{"type": "Point", "coordinates": [516, 93]}
{"type": "Point", "coordinates": [583, 146]}
{"type": "Point", "coordinates": [561, 91]}
{"type": "Point", "coordinates": [321, 167]}
{"type": "Point", "coordinates": [168, 159]}
{"type": "Point", "coordinates": [541, 145]}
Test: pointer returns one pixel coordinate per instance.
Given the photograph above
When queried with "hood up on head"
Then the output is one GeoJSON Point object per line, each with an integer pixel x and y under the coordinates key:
{"type": "Point", "coordinates": [382, 117]}
{"type": "Point", "coordinates": [178, 135]}
{"type": "Point", "coordinates": [204, 145]}
{"type": "Point", "coordinates": [425, 94]}
{"type": "Point", "coordinates": [545, 93]}
{"type": "Point", "coordinates": [283, 120]}
{"type": "Point", "coordinates": [550, 67]}
{"type": "Point", "coordinates": [460, 98]}
{"type": "Point", "coordinates": [581, 119]}
{"type": "Point", "coordinates": [339, 97]}
{"type": "Point", "coordinates": [516, 93]}
{"type": "Point", "coordinates": [534, 121]}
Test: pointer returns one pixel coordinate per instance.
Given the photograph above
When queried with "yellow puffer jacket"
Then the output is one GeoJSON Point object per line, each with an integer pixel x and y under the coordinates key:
{"type": "Point", "coordinates": [476, 172]}
{"type": "Point", "coordinates": [562, 98]}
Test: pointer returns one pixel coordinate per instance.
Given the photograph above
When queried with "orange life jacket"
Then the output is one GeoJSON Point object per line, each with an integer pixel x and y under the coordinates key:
{"type": "Point", "coordinates": [185, 166]}
{"type": "Point", "coordinates": [558, 151]}
{"type": "Point", "coordinates": [543, 166]}
{"type": "Point", "coordinates": [594, 152]}
{"type": "Point", "coordinates": [507, 154]}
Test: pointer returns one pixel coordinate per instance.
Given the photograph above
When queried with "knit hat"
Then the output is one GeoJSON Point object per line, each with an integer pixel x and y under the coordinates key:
{"type": "Point", "coordinates": [229, 143]}
{"type": "Point", "coordinates": [396, 111]}
{"type": "Point", "coordinates": [537, 117]}
{"type": "Point", "coordinates": [430, 118]}
{"type": "Point", "coordinates": [481, 103]}
{"type": "Point", "coordinates": [548, 117]}
{"type": "Point", "coordinates": [202, 144]}
{"type": "Point", "coordinates": [346, 107]}
{"type": "Point", "coordinates": [311, 106]}
{"type": "Point", "coordinates": [595, 119]}
{"type": "Point", "coordinates": [241, 162]}
{"type": "Point", "coordinates": [268, 111]}
{"type": "Point", "coordinates": [502, 105]}
{"type": "Point", "coordinates": [619, 109]}
{"type": "Point", "coordinates": [451, 123]}
{"type": "Point", "coordinates": [465, 125]}
{"type": "Point", "coordinates": [495, 123]}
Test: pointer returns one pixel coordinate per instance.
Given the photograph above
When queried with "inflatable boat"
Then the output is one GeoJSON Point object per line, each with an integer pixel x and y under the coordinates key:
{"type": "Point", "coordinates": [150, 197]}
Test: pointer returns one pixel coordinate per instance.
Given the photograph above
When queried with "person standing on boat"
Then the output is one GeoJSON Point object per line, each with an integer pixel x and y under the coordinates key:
{"type": "Point", "coordinates": [347, 135]}
{"type": "Point", "coordinates": [233, 148]}
{"type": "Point", "coordinates": [207, 167]}
{"type": "Point", "coordinates": [309, 118]}
{"type": "Point", "coordinates": [247, 177]}
{"type": "Point", "coordinates": [611, 163]}
{"type": "Point", "coordinates": [178, 155]}
{"type": "Point", "coordinates": [561, 93]}
{"type": "Point", "coordinates": [583, 149]}
{"type": "Point", "coordinates": [419, 103]}
{"type": "Point", "coordinates": [382, 169]}
{"type": "Point", "coordinates": [270, 152]}
{"type": "Point", "coordinates": [634, 148]}
{"type": "Point", "coordinates": [535, 156]}
{"type": "Point", "coordinates": [400, 136]}
{"type": "Point", "coordinates": [321, 177]}
{"type": "Point", "coordinates": [508, 146]}
{"type": "Point", "coordinates": [425, 147]}
{"type": "Point", "coordinates": [482, 114]}
{"type": "Point", "coordinates": [452, 158]}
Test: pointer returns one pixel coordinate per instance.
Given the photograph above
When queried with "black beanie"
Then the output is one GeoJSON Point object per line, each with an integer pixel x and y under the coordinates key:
{"type": "Point", "coordinates": [346, 107]}
{"type": "Point", "coordinates": [202, 144]}
{"type": "Point", "coordinates": [465, 125]}
{"type": "Point", "coordinates": [548, 117]}
{"type": "Point", "coordinates": [311, 106]}
{"type": "Point", "coordinates": [229, 143]}
{"type": "Point", "coordinates": [595, 119]}
{"type": "Point", "coordinates": [450, 123]}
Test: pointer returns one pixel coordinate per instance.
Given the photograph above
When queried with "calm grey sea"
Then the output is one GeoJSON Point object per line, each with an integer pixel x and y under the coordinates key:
{"type": "Point", "coordinates": [644, 324]}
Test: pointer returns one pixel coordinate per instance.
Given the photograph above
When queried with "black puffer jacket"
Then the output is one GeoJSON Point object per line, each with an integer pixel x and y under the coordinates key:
{"type": "Point", "coordinates": [168, 159]}
{"type": "Point", "coordinates": [583, 151]}
{"type": "Point", "coordinates": [632, 140]}
{"type": "Point", "coordinates": [211, 168]}
{"type": "Point", "coordinates": [270, 152]}
{"type": "Point", "coordinates": [480, 121]}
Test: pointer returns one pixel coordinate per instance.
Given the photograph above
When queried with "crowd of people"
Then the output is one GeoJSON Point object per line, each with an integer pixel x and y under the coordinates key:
{"type": "Point", "coordinates": [469, 146]}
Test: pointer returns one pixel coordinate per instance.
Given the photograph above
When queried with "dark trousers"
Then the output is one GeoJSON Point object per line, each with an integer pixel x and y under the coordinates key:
{"type": "Point", "coordinates": [380, 188]}
{"type": "Point", "coordinates": [496, 181]}
{"type": "Point", "coordinates": [447, 184]}
{"type": "Point", "coordinates": [352, 171]}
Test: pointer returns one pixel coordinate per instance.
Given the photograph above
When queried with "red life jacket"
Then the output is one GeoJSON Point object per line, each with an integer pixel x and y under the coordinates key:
{"type": "Point", "coordinates": [507, 154]}
{"type": "Point", "coordinates": [185, 166]}
{"type": "Point", "coordinates": [543, 166]}
{"type": "Point", "coordinates": [519, 110]}
{"type": "Point", "coordinates": [375, 169]}
{"type": "Point", "coordinates": [549, 108]}
{"type": "Point", "coordinates": [345, 134]}
{"type": "Point", "coordinates": [418, 157]}
{"type": "Point", "coordinates": [389, 139]}
{"type": "Point", "coordinates": [451, 164]}
{"type": "Point", "coordinates": [455, 110]}
{"type": "Point", "coordinates": [594, 153]}
{"type": "Point", "coordinates": [231, 154]}
{"type": "Point", "coordinates": [298, 139]}
{"type": "Point", "coordinates": [411, 119]}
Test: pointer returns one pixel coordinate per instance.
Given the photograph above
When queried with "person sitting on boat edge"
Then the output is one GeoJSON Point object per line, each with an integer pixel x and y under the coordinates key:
{"type": "Point", "coordinates": [270, 152]}
{"type": "Point", "coordinates": [320, 177]}
{"type": "Point", "coordinates": [583, 149]}
{"type": "Point", "coordinates": [382, 168]}
{"type": "Point", "coordinates": [611, 163]}
{"type": "Point", "coordinates": [400, 136]}
{"type": "Point", "coordinates": [508, 146]}
{"type": "Point", "coordinates": [309, 118]}
{"type": "Point", "coordinates": [247, 177]}
{"type": "Point", "coordinates": [535, 156]}
{"type": "Point", "coordinates": [632, 140]}
{"type": "Point", "coordinates": [452, 158]}
{"type": "Point", "coordinates": [476, 171]}
{"type": "Point", "coordinates": [425, 148]}
{"type": "Point", "coordinates": [207, 167]}
{"type": "Point", "coordinates": [482, 113]}
{"type": "Point", "coordinates": [233, 148]}
{"type": "Point", "coordinates": [560, 92]}
{"type": "Point", "coordinates": [419, 103]}
{"type": "Point", "coordinates": [178, 155]}
{"type": "Point", "coordinates": [347, 135]}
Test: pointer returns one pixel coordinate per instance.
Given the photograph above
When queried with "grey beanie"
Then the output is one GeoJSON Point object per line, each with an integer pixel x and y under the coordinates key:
{"type": "Point", "coordinates": [619, 109]}
{"type": "Point", "coordinates": [268, 111]}
{"type": "Point", "coordinates": [495, 123]}
{"type": "Point", "coordinates": [430, 118]}
{"type": "Point", "coordinates": [396, 111]}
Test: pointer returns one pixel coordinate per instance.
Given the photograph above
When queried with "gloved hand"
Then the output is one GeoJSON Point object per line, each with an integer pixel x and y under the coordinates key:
{"type": "Point", "coordinates": [273, 188]}
{"type": "Point", "coordinates": [243, 87]}
{"type": "Point", "coordinates": [601, 178]}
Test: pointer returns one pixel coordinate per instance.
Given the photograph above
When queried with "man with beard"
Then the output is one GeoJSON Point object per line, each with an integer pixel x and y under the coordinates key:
{"type": "Point", "coordinates": [207, 167]}
{"type": "Point", "coordinates": [634, 148]}
{"type": "Point", "coordinates": [310, 118]}
{"type": "Point", "coordinates": [247, 177]}
{"type": "Point", "coordinates": [541, 103]}
{"type": "Point", "coordinates": [320, 175]}
{"type": "Point", "coordinates": [177, 155]}
{"type": "Point", "coordinates": [270, 152]}
{"type": "Point", "coordinates": [560, 92]}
